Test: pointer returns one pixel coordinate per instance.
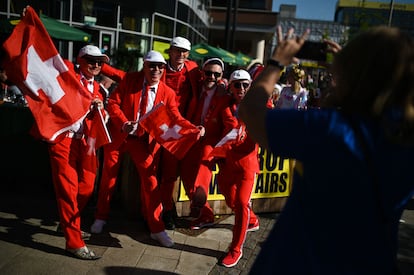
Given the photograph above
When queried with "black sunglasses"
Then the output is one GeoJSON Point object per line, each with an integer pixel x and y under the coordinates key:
{"type": "Point", "coordinates": [238, 85]}
{"type": "Point", "coordinates": [156, 65]}
{"type": "Point", "coordinates": [92, 61]}
{"type": "Point", "coordinates": [210, 73]}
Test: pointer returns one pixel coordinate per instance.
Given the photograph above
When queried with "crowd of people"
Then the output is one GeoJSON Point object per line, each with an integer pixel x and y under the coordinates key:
{"type": "Point", "coordinates": [366, 120]}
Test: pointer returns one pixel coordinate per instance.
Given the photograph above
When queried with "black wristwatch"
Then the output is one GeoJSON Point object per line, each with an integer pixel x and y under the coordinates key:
{"type": "Point", "coordinates": [272, 62]}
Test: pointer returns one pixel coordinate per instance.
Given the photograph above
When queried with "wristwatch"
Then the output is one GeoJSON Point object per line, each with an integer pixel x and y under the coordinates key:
{"type": "Point", "coordinates": [275, 63]}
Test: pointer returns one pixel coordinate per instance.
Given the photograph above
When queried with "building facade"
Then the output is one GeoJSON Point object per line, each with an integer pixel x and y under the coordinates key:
{"type": "Point", "coordinates": [359, 15]}
{"type": "Point", "coordinates": [122, 26]}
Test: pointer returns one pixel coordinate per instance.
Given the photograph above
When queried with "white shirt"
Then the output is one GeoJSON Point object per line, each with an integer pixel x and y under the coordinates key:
{"type": "Point", "coordinates": [90, 83]}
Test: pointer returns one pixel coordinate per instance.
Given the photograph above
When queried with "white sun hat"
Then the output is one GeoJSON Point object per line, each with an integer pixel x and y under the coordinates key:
{"type": "Point", "coordinates": [93, 51]}
{"type": "Point", "coordinates": [181, 42]}
{"type": "Point", "coordinates": [239, 75]}
{"type": "Point", "coordinates": [154, 56]}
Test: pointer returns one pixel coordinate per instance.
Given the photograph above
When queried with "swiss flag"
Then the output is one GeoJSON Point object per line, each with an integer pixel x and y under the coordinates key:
{"type": "Point", "coordinates": [97, 132]}
{"type": "Point", "coordinates": [174, 136]}
{"type": "Point", "coordinates": [55, 96]}
{"type": "Point", "coordinates": [221, 148]}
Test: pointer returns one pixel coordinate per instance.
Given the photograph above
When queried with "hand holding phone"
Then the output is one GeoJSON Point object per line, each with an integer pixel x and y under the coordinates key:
{"type": "Point", "coordinates": [313, 51]}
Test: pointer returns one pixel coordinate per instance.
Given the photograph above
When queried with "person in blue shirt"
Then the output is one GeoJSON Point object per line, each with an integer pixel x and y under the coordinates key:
{"type": "Point", "coordinates": [343, 213]}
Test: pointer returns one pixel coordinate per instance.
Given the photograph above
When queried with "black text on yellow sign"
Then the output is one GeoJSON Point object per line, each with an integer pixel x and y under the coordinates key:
{"type": "Point", "coordinates": [273, 180]}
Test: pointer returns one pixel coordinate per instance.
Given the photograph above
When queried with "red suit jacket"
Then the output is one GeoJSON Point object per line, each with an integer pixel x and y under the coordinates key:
{"type": "Point", "coordinates": [185, 85]}
{"type": "Point", "coordinates": [124, 102]}
{"type": "Point", "coordinates": [218, 120]}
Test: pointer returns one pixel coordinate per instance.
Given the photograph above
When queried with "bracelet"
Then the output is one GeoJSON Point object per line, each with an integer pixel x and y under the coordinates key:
{"type": "Point", "coordinates": [272, 62]}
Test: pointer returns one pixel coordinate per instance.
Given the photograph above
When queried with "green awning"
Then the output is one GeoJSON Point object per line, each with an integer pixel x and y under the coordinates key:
{"type": "Point", "coordinates": [243, 59]}
{"type": "Point", "coordinates": [202, 51]}
{"type": "Point", "coordinates": [55, 28]}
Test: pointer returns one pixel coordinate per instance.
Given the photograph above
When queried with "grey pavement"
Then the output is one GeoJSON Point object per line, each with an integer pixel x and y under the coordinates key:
{"type": "Point", "coordinates": [29, 243]}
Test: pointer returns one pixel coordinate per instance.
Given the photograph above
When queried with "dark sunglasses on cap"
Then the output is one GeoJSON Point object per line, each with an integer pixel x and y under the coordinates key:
{"type": "Point", "coordinates": [238, 85]}
{"type": "Point", "coordinates": [92, 61]}
{"type": "Point", "coordinates": [210, 73]}
{"type": "Point", "coordinates": [156, 65]}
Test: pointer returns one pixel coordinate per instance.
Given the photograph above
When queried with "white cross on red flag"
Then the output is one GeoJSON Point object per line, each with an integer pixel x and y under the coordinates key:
{"type": "Point", "coordinates": [224, 145]}
{"type": "Point", "coordinates": [174, 135]}
{"type": "Point", "coordinates": [55, 96]}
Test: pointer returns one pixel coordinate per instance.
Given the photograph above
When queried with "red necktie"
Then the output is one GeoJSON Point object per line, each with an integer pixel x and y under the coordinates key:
{"type": "Point", "coordinates": [144, 101]}
{"type": "Point", "coordinates": [203, 112]}
{"type": "Point", "coordinates": [85, 83]}
{"type": "Point", "coordinates": [143, 108]}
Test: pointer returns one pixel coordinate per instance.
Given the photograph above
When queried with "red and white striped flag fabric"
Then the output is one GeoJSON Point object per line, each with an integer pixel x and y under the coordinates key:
{"type": "Point", "coordinates": [172, 134]}
{"type": "Point", "coordinates": [97, 132]}
{"type": "Point", "coordinates": [221, 148]}
{"type": "Point", "coordinates": [55, 96]}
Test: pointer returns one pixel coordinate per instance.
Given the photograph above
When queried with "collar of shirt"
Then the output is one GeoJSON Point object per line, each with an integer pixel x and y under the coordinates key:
{"type": "Point", "coordinates": [90, 82]}
{"type": "Point", "coordinates": [175, 70]}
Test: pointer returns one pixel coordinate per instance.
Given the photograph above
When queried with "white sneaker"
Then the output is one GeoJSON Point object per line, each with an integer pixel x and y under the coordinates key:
{"type": "Point", "coordinates": [97, 226]}
{"type": "Point", "coordinates": [163, 238]}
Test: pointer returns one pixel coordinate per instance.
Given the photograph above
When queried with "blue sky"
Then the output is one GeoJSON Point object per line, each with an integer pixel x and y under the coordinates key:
{"type": "Point", "coordinates": [310, 9]}
{"type": "Point", "coordinates": [319, 9]}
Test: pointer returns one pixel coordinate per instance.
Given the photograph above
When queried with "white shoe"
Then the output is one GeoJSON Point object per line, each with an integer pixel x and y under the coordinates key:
{"type": "Point", "coordinates": [163, 238]}
{"type": "Point", "coordinates": [97, 226]}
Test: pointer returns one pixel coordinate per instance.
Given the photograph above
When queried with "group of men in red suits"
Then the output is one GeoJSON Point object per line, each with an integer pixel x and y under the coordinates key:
{"type": "Point", "coordinates": [197, 97]}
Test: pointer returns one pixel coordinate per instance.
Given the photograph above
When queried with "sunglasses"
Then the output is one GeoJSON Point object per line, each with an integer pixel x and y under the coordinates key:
{"type": "Point", "coordinates": [91, 61]}
{"type": "Point", "coordinates": [238, 85]}
{"type": "Point", "coordinates": [210, 73]}
{"type": "Point", "coordinates": [153, 66]}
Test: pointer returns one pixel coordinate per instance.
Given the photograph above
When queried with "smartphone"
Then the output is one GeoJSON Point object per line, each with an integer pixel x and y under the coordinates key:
{"type": "Point", "coordinates": [311, 50]}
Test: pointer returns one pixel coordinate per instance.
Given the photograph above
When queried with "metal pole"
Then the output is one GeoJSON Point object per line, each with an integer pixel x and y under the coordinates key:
{"type": "Point", "coordinates": [70, 44]}
{"type": "Point", "coordinates": [233, 29]}
{"type": "Point", "coordinates": [391, 12]}
{"type": "Point", "coordinates": [226, 33]}
{"type": "Point", "coordinates": [118, 26]}
{"type": "Point", "coordinates": [8, 8]}
{"type": "Point", "coordinates": [175, 18]}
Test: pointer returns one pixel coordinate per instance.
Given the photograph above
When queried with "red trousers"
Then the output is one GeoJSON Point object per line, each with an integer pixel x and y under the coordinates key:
{"type": "Point", "coordinates": [73, 173]}
{"type": "Point", "coordinates": [197, 171]}
{"type": "Point", "coordinates": [236, 184]}
{"type": "Point", "coordinates": [146, 159]}
{"type": "Point", "coordinates": [170, 170]}
{"type": "Point", "coordinates": [110, 168]}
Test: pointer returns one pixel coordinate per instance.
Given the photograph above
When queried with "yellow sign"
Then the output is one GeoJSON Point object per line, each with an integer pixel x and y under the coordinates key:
{"type": "Point", "coordinates": [373, 5]}
{"type": "Point", "coordinates": [273, 181]}
{"type": "Point", "coordinates": [161, 47]}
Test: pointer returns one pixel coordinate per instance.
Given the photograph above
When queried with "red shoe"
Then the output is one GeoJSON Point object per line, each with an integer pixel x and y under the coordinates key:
{"type": "Point", "coordinates": [198, 202]}
{"type": "Point", "coordinates": [201, 223]}
{"type": "Point", "coordinates": [232, 258]}
{"type": "Point", "coordinates": [253, 226]}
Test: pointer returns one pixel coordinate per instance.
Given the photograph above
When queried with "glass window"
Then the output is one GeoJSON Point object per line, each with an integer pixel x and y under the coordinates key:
{"type": "Point", "coordinates": [163, 26]}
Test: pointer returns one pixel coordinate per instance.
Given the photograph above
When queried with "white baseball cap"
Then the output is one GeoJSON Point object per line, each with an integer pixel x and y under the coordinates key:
{"type": "Point", "coordinates": [180, 42]}
{"type": "Point", "coordinates": [214, 60]}
{"type": "Point", "coordinates": [240, 75]}
{"type": "Point", "coordinates": [93, 51]}
{"type": "Point", "coordinates": [154, 56]}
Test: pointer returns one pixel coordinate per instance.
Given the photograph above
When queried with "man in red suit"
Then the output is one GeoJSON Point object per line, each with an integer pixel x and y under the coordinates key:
{"type": "Point", "coordinates": [137, 94]}
{"type": "Point", "coordinates": [183, 76]}
{"type": "Point", "coordinates": [213, 113]}
{"type": "Point", "coordinates": [237, 173]}
{"type": "Point", "coordinates": [73, 169]}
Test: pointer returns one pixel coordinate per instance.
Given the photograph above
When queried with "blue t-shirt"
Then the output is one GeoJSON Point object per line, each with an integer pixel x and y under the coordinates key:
{"type": "Point", "coordinates": [339, 218]}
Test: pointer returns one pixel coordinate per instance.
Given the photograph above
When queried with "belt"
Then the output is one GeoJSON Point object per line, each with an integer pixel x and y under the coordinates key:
{"type": "Point", "coordinates": [75, 135]}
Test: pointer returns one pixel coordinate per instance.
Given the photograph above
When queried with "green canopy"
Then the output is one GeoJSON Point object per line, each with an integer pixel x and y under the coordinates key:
{"type": "Point", "coordinates": [55, 28]}
{"type": "Point", "coordinates": [202, 51]}
{"type": "Point", "coordinates": [243, 59]}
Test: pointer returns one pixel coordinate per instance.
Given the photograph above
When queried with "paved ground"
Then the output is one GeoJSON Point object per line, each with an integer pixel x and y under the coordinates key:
{"type": "Point", "coordinates": [30, 245]}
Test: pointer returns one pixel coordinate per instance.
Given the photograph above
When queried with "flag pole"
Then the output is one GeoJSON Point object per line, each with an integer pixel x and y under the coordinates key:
{"type": "Point", "coordinates": [391, 11]}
